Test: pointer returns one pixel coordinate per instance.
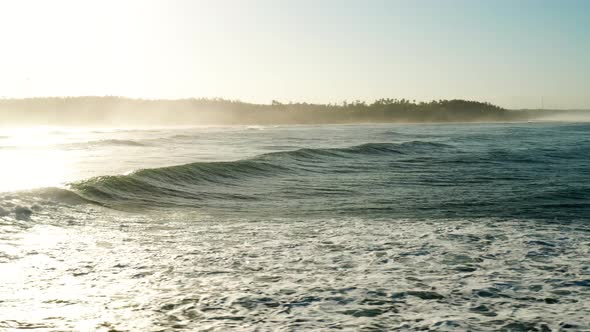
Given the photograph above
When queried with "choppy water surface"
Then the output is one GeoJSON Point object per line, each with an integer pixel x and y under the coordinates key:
{"type": "Point", "coordinates": [369, 227]}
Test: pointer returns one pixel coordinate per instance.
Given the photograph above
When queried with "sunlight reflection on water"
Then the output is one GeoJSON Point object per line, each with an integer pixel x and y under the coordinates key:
{"type": "Point", "coordinates": [33, 168]}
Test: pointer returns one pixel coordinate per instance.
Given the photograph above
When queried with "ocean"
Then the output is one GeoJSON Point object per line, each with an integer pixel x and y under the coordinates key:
{"type": "Point", "coordinates": [366, 227]}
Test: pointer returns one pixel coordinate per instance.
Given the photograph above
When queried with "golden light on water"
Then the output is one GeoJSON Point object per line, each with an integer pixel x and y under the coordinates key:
{"type": "Point", "coordinates": [27, 169]}
{"type": "Point", "coordinates": [27, 161]}
{"type": "Point", "coordinates": [49, 286]}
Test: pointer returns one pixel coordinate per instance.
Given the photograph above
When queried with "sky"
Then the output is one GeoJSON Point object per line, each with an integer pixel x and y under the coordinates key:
{"type": "Point", "coordinates": [514, 53]}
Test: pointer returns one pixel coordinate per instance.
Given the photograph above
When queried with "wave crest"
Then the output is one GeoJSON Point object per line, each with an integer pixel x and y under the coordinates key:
{"type": "Point", "coordinates": [106, 142]}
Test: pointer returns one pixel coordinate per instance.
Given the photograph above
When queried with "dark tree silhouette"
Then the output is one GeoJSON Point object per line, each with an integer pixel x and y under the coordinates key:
{"type": "Point", "coordinates": [122, 111]}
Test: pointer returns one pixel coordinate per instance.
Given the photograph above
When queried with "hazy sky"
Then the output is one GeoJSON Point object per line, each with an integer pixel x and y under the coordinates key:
{"type": "Point", "coordinates": [509, 52]}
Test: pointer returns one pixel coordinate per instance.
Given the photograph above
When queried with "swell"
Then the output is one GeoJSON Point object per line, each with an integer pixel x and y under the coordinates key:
{"type": "Point", "coordinates": [106, 142]}
{"type": "Point", "coordinates": [405, 180]}
{"type": "Point", "coordinates": [191, 184]}
{"type": "Point", "coordinates": [90, 144]}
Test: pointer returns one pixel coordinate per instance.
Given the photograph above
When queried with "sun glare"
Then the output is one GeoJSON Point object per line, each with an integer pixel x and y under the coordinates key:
{"type": "Point", "coordinates": [27, 161]}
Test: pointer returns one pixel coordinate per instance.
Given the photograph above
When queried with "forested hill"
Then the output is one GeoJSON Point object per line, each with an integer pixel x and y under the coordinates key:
{"type": "Point", "coordinates": [125, 111]}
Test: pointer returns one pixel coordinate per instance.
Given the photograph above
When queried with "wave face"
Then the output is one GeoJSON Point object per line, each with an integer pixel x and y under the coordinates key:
{"type": "Point", "coordinates": [505, 171]}
{"type": "Point", "coordinates": [416, 178]}
{"type": "Point", "coordinates": [191, 185]}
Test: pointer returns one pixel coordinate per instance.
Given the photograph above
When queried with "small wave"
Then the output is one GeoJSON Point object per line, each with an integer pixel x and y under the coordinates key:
{"type": "Point", "coordinates": [406, 147]}
{"type": "Point", "coordinates": [106, 142]}
{"type": "Point", "coordinates": [367, 149]}
{"type": "Point", "coordinates": [393, 133]}
{"type": "Point", "coordinates": [121, 142]}
{"type": "Point", "coordinates": [182, 136]}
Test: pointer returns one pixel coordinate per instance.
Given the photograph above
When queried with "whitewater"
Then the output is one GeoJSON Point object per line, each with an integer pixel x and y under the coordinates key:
{"type": "Point", "coordinates": [337, 227]}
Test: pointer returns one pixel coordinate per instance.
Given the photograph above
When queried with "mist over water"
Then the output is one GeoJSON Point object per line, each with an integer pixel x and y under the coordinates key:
{"type": "Point", "coordinates": [482, 226]}
{"type": "Point", "coordinates": [119, 111]}
{"type": "Point", "coordinates": [566, 116]}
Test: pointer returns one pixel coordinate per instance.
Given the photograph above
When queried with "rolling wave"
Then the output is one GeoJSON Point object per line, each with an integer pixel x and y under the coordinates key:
{"type": "Point", "coordinates": [416, 178]}
{"type": "Point", "coordinates": [106, 143]}
{"type": "Point", "coordinates": [189, 184]}
{"type": "Point", "coordinates": [86, 145]}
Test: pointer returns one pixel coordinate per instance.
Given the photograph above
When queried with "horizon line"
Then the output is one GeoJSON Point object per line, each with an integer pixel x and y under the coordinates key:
{"type": "Point", "coordinates": [352, 100]}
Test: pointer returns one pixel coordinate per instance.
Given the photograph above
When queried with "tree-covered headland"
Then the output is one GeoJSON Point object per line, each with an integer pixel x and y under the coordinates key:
{"type": "Point", "coordinates": [126, 111]}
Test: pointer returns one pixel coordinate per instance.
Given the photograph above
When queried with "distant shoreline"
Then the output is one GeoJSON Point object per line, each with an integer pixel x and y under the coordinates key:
{"type": "Point", "coordinates": [120, 111]}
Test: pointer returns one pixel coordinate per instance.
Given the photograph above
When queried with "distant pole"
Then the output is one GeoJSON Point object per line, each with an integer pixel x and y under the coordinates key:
{"type": "Point", "coordinates": [542, 103]}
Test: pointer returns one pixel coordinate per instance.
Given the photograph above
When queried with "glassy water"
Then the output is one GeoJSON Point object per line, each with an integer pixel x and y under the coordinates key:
{"type": "Point", "coordinates": [355, 227]}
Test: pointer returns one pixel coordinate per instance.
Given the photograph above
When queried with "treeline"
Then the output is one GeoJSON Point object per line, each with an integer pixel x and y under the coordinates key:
{"type": "Point", "coordinates": [125, 111]}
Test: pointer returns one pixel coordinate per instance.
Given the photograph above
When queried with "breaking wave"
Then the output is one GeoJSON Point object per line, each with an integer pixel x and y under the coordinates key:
{"type": "Point", "coordinates": [410, 179]}
{"type": "Point", "coordinates": [186, 185]}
